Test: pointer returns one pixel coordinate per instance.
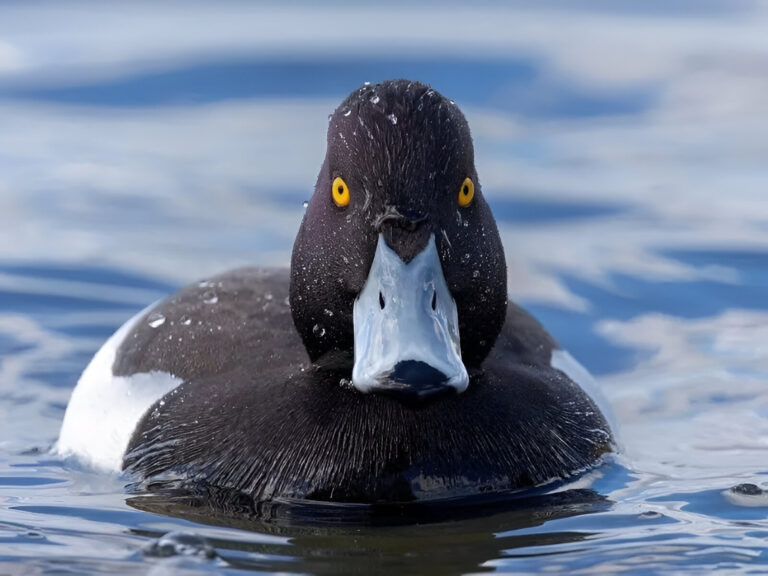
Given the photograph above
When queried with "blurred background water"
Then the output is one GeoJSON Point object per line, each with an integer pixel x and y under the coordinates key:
{"type": "Point", "coordinates": [622, 147]}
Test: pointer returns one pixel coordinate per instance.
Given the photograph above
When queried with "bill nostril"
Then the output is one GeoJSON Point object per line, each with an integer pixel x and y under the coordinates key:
{"type": "Point", "coordinates": [381, 300]}
{"type": "Point", "coordinates": [434, 300]}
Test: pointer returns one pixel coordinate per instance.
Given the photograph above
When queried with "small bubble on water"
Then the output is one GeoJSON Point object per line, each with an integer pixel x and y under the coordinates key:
{"type": "Point", "coordinates": [650, 515]}
{"type": "Point", "coordinates": [210, 297]}
{"type": "Point", "coordinates": [180, 544]}
{"type": "Point", "coordinates": [155, 320]}
{"type": "Point", "coordinates": [747, 490]}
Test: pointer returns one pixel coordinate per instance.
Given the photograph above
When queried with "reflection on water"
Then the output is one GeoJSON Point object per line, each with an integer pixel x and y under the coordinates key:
{"type": "Point", "coordinates": [621, 147]}
{"type": "Point", "coordinates": [434, 540]}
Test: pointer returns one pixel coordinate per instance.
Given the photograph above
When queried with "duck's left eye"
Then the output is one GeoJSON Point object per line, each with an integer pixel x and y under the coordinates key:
{"type": "Point", "coordinates": [340, 192]}
{"type": "Point", "coordinates": [466, 192]}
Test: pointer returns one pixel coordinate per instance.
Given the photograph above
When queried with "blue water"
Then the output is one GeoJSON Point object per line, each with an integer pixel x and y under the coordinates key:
{"type": "Point", "coordinates": [620, 145]}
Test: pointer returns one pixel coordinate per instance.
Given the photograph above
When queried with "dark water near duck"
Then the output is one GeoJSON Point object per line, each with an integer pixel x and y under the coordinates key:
{"type": "Point", "coordinates": [621, 147]}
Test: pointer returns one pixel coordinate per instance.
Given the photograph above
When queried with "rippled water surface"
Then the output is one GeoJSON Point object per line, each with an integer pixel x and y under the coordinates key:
{"type": "Point", "coordinates": [621, 146]}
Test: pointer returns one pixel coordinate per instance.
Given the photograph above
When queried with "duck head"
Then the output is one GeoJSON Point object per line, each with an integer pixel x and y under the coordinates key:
{"type": "Point", "coordinates": [398, 258]}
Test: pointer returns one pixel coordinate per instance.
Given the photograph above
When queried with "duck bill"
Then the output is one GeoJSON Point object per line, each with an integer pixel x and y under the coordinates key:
{"type": "Point", "coordinates": [406, 328]}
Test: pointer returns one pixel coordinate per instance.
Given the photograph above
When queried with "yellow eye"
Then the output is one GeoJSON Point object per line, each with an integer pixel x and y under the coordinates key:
{"type": "Point", "coordinates": [466, 192]}
{"type": "Point", "coordinates": [340, 192]}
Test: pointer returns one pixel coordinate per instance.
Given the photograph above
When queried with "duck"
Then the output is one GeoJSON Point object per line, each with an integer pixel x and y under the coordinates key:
{"type": "Point", "coordinates": [387, 365]}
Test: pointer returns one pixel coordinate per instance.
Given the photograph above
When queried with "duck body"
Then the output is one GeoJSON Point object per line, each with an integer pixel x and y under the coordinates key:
{"type": "Point", "coordinates": [273, 391]}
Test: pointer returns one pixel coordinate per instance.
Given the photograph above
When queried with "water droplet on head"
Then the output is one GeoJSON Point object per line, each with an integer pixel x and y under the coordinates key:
{"type": "Point", "coordinates": [318, 330]}
{"type": "Point", "coordinates": [209, 297]}
{"type": "Point", "coordinates": [465, 258]}
{"type": "Point", "coordinates": [155, 320]}
{"type": "Point", "coordinates": [204, 283]}
{"type": "Point", "coordinates": [305, 204]}
{"type": "Point", "coordinates": [185, 320]}
{"type": "Point", "coordinates": [268, 296]}
{"type": "Point", "coordinates": [375, 99]}
{"type": "Point", "coordinates": [392, 118]}
{"type": "Point", "coordinates": [475, 273]}
{"type": "Point", "coordinates": [348, 112]}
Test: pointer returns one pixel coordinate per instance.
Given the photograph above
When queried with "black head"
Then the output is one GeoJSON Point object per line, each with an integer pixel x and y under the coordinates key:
{"type": "Point", "coordinates": [404, 152]}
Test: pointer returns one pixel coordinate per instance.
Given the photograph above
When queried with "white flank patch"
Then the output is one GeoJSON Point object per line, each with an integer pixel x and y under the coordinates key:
{"type": "Point", "coordinates": [105, 409]}
{"type": "Point", "coordinates": [563, 361]}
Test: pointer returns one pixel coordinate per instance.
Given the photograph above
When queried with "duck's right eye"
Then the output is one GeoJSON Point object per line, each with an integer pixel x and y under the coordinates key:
{"type": "Point", "coordinates": [340, 192]}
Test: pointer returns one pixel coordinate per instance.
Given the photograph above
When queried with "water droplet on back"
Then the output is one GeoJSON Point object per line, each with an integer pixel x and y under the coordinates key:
{"type": "Point", "coordinates": [185, 320]}
{"type": "Point", "coordinates": [155, 320]}
{"type": "Point", "coordinates": [392, 118]}
{"type": "Point", "coordinates": [209, 297]}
